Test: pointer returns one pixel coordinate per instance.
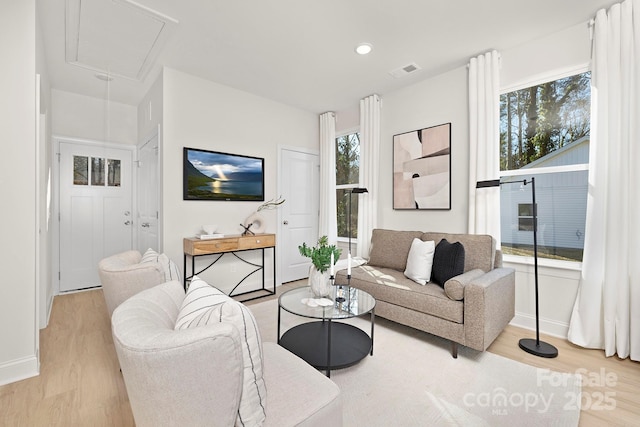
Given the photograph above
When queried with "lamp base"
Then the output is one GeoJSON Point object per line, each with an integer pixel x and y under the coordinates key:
{"type": "Point", "coordinates": [539, 348]}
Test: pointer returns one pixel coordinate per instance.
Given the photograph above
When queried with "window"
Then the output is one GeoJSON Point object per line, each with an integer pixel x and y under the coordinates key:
{"type": "Point", "coordinates": [544, 133]}
{"type": "Point", "coordinates": [347, 177]}
{"type": "Point", "coordinates": [525, 217]}
{"type": "Point", "coordinates": [98, 164]}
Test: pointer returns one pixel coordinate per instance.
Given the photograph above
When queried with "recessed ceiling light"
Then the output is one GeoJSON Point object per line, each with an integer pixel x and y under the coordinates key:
{"type": "Point", "coordinates": [363, 48]}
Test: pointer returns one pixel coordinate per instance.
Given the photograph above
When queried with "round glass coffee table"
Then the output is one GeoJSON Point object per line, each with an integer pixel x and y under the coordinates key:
{"type": "Point", "coordinates": [327, 344]}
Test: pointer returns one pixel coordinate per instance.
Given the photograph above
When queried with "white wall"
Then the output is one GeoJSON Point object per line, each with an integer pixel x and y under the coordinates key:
{"type": "Point", "coordinates": [347, 120]}
{"type": "Point", "coordinates": [44, 186]}
{"type": "Point", "coordinates": [150, 111]}
{"type": "Point", "coordinates": [202, 114]}
{"type": "Point", "coordinates": [85, 117]}
{"type": "Point", "coordinates": [557, 53]}
{"type": "Point", "coordinates": [18, 304]}
{"type": "Point", "coordinates": [444, 99]}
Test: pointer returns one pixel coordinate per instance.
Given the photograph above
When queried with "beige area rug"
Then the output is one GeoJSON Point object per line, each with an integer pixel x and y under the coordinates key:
{"type": "Point", "coordinates": [412, 380]}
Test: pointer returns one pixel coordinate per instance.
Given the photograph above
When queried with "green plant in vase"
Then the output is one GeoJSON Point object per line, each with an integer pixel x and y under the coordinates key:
{"type": "Point", "coordinates": [321, 253]}
{"type": "Point", "coordinates": [321, 257]}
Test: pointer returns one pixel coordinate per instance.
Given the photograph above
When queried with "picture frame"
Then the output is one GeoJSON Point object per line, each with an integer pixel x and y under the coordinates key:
{"type": "Point", "coordinates": [422, 169]}
{"type": "Point", "coordinates": [214, 175]}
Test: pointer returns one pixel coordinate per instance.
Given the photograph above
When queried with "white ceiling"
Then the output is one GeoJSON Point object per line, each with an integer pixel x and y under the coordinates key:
{"type": "Point", "coordinates": [301, 52]}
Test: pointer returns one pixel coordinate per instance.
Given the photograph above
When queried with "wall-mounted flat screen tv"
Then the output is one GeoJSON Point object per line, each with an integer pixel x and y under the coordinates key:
{"type": "Point", "coordinates": [212, 175]}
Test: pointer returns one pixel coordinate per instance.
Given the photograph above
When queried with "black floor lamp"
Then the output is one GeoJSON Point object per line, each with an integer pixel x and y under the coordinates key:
{"type": "Point", "coordinates": [356, 190]}
{"type": "Point", "coordinates": [535, 347]}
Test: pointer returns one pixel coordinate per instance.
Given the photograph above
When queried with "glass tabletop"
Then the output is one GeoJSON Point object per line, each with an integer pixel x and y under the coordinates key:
{"type": "Point", "coordinates": [356, 303]}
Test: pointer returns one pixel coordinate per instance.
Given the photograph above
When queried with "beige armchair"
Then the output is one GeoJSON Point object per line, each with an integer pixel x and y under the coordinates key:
{"type": "Point", "coordinates": [193, 377]}
{"type": "Point", "coordinates": [122, 276]}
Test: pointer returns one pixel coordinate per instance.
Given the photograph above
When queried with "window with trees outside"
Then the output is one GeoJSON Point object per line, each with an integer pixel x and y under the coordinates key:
{"type": "Point", "coordinates": [347, 177]}
{"type": "Point", "coordinates": [544, 133]}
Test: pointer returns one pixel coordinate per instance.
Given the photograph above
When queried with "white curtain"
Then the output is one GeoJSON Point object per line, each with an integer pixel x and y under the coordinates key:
{"type": "Point", "coordinates": [328, 223]}
{"type": "Point", "coordinates": [484, 144]}
{"type": "Point", "coordinates": [606, 313]}
{"type": "Point", "coordinates": [369, 168]}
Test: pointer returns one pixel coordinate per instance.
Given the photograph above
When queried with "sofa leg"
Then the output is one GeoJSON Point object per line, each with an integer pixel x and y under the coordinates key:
{"type": "Point", "coordinates": [454, 349]}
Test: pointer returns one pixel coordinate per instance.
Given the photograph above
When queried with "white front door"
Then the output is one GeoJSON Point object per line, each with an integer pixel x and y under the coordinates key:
{"type": "Point", "coordinates": [95, 210]}
{"type": "Point", "coordinates": [299, 182]}
{"type": "Point", "coordinates": [148, 197]}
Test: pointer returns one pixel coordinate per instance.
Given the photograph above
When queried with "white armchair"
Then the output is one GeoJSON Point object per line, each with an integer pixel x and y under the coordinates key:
{"type": "Point", "coordinates": [194, 376]}
{"type": "Point", "coordinates": [122, 276]}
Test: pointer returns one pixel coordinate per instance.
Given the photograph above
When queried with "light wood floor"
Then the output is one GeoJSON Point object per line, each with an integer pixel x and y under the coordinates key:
{"type": "Point", "coordinates": [80, 382]}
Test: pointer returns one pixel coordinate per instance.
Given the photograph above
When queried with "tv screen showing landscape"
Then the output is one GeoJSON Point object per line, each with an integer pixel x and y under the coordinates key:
{"type": "Point", "coordinates": [211, 175]}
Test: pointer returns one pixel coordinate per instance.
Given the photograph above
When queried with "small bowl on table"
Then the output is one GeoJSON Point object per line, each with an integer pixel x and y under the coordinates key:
{"type": "Point", "coordinates": [209, 229]}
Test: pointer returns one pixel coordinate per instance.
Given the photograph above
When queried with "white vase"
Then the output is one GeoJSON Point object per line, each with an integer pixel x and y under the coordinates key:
{"type": "Point", "coordinates": [319, 282]}
{"type": "Point", "coordinates": [255, 223]}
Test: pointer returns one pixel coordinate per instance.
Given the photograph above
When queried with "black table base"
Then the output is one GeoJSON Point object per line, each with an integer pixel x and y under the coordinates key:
{"type": "Point", "coordinates": [343, 346]}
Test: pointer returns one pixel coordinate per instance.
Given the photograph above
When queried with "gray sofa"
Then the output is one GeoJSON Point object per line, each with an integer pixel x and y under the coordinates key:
{"type": "Point", "coordinates": [193, 377]}
{"type": "Point", "coordinates": [471, 309]}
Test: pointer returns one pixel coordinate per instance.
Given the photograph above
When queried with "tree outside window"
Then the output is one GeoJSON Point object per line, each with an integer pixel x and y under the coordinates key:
{"type": "Point", "coordinates": [347, 177]}
{"type": "Point", "coordinates": [544, 132]}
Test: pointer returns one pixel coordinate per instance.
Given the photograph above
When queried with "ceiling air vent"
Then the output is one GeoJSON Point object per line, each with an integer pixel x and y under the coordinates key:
{"type": "Point", "coordinates": [406, 70]}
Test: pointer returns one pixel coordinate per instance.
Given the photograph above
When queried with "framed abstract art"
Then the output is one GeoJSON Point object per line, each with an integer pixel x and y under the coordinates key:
{"type": "Point", "coordinates": [422, 168]}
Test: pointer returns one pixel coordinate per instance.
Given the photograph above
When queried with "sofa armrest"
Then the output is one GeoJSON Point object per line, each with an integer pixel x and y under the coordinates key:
{"type": "Point", "coordinates": [489, 305]}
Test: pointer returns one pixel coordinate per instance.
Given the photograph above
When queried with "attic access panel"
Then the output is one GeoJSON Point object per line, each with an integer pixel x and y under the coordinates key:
{"type": "Point", "coordinates": [114, 37]}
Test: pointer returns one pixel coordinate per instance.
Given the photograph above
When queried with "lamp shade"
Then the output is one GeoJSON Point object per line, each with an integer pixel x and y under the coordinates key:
{"type": "Point", "coordinates": [359, 190]}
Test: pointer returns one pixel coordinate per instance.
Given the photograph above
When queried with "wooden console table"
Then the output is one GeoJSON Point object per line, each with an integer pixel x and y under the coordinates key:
{"type": "Point", "coordinates": [233, 244]}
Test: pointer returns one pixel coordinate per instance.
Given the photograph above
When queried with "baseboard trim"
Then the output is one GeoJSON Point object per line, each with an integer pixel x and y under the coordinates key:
{"type": "Point", "coordinates": [19, 369]}
{"type": "Point", "coordinates": [548, 327]}
{"type": "Point", "coordinates": [44, 322]}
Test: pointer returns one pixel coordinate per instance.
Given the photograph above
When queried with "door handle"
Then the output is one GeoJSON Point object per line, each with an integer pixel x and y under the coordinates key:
{"type": "Point", "coordinates": [145, 224]}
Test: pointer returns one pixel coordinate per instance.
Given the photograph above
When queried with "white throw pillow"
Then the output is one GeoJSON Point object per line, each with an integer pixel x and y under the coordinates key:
{"type": "Point", "coordinates": [420, 261]}
{"type": "Point", "coordinates": [170, 269]}
{"type": "Point", "coordinates": [203, 305]}
{"type": "Point", "coordinates": [149, 256]}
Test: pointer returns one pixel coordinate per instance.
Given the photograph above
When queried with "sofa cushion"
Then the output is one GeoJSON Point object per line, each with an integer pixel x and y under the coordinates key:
{"type": "Point", "coordinates": [299, 394]}
{"type": "Point", "coordinates": [391, 286]}
{"type": "Point", "coordinates": [448, 261]}
{"type": "Point", "coordinates": [420, 260]}
{"type": "Point", "coordinates": [203, 304]}
{"type": "Point", "coordinates": [390, 248]}
{"type": "Point", "coordinates": [480, 249]}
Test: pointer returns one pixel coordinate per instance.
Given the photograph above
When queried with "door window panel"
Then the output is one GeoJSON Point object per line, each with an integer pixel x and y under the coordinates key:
{"type": "Point", "coordinates": [80, 170]}
{"type": "Point", "coordinates": [97, 171]}
{"type": "Point", "coordinates": [113, 173]}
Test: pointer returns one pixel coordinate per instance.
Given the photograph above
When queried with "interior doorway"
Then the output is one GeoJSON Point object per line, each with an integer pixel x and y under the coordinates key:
{"type": "Point", "coordinates": [299, 183]}
{"type": "Point", "coordinates": [95, 215]}
{"type": "Point", "coordinates": [148, 231]}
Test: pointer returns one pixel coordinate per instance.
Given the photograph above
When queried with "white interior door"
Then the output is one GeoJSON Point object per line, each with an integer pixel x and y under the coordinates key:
{"type": "Point", "coordinates": [148, 235]}
{"type": "Point", "coordinates": [95, 210]}
{"type": "Point", "coordinates": [299, 181]}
